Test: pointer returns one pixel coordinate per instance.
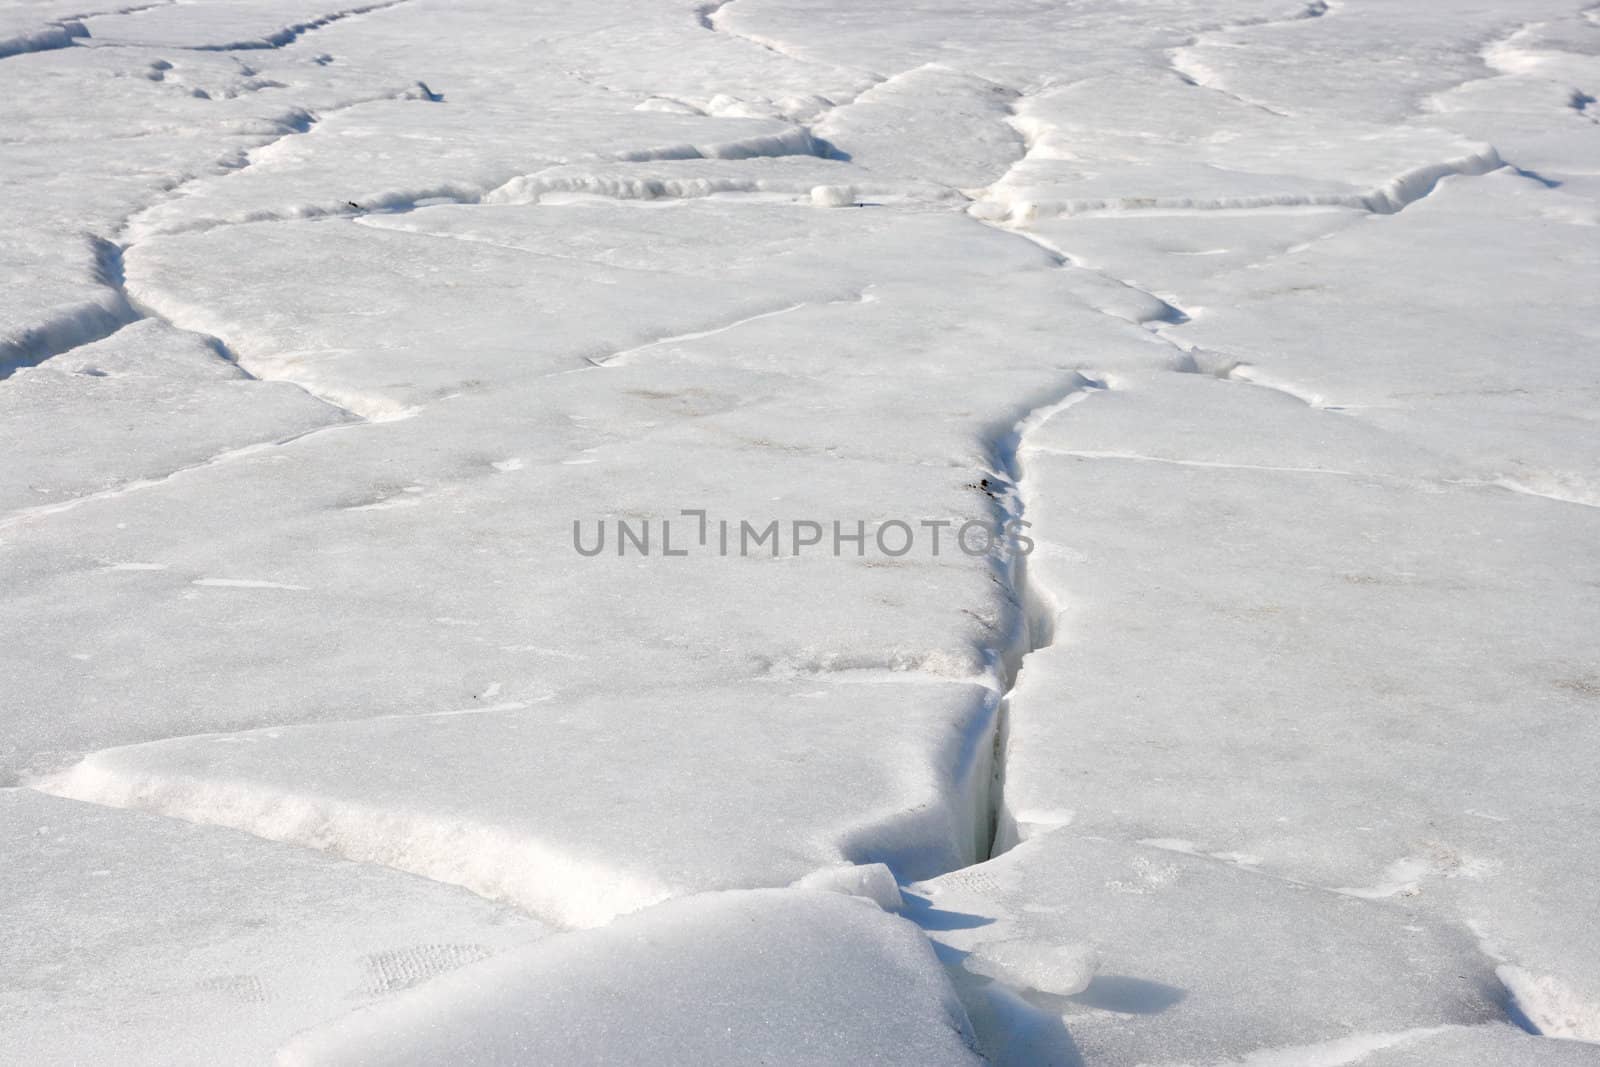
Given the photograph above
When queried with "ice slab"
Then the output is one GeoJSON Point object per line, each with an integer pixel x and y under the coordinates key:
{"type": "Point", "coordinates": [1358, 62]}
{"type": "Point", "coordinates": [931, 123]}
{"type": "Point", "coordinates": [761, 784]}
{"type": "Point", "coordinates": [541, 300]}
{"type": "Point", "coordinates": [1329, 592]}
{"type": "Point", "coordinates": [136, 407]}
{"type": "Point", "coordinates": [1131, 142]}
{"type": "Point", "coordinates": [1509, 395]}
{"type": "Point", "coordinates": [1147, 955]}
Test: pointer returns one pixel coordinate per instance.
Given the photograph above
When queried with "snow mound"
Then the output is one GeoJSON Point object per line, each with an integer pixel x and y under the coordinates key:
{"type": "Point", "coordinates": [777, 977]}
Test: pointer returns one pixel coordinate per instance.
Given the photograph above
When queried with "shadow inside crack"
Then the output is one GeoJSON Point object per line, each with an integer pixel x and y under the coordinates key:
{"type": "Point", "coordinates": [1125, 995]}
{"type": "Point", "coordinates": [921, 911]}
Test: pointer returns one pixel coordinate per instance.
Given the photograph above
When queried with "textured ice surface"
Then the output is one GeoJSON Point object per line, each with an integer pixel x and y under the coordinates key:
{"type": "Point", "coordinates": [324, 324]}
{"type": "Point", "coordinates": [139, 940]}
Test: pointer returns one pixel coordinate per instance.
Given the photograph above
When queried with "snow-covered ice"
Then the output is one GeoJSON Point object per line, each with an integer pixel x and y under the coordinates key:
{"type": "Point", "coordinates": [335, 339]}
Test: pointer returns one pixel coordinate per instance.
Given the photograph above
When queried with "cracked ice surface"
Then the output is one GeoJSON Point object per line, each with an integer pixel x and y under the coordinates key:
{"type": "Point", "coordinates": [325, 323]}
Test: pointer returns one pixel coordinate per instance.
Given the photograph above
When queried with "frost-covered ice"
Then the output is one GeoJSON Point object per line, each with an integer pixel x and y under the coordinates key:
{"type": "Point", "coordinates": [325, 327]}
